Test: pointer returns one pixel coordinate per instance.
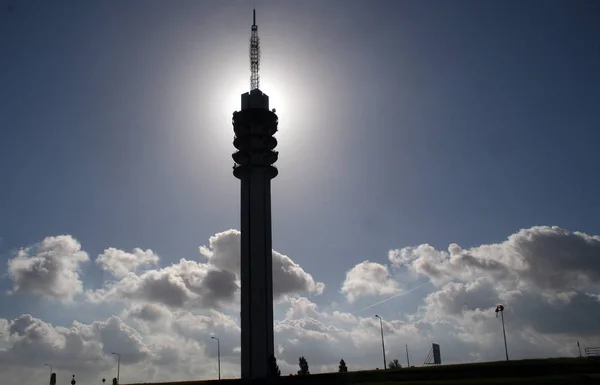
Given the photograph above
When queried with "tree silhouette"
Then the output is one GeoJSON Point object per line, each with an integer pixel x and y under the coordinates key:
{"type": "Point", "coordinates": [273, 367]}
{"type": "Point", "coordinates": [303, 367]}
{"type": "Point", "coordinates": [343, 367]}
{"type": "Point", "coordinates": [394, 364]}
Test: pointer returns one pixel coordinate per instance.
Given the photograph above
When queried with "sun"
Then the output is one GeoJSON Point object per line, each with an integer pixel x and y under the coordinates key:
{"type": "Point", "coordinates": [276, 96]}
{"type": "Point", "coordinates": [275, 92]}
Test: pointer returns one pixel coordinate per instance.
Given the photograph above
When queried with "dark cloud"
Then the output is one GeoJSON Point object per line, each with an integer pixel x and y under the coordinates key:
{"type": "Point", "coordinates": [575, 313]}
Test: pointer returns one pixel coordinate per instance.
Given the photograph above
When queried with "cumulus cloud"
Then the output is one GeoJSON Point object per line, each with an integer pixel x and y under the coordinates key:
{"type": "Point", "coordinates": [546, 258]}
{"type": "Point", "coordinates": [149, 312]}
{"type": "Point", "coordinates": [3, 329]}
{"type": "Point", "coordinates": [223, 252]}
{"type": "Point", "coordinates": [454, 298]}
{"type": "Point", "coordinates": [194, 284]}
{"type": "Point", "coordinates": [343, 317]}
{"type": "Point", "coordinates": [119, 262]}
{"type": "Point", "coordinates": [177, 350]}
{"type": "Point", "coordinates": [185, 283]}
{"type": "Point", "coordinates": [368, 279]}
{"type": "Point", "coordinates": [49, 269]}
{"type": "Point", "coordinates": [302, 307]}
{"type": "Point", "coordinates": [81, 347]}
{"type": "Point", "coordinates": [169, 321]}
{"type": "Point", "coordinates": [547, 278]}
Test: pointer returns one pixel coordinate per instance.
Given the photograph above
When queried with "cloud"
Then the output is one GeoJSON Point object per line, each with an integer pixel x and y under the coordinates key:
{"type": "Point", "coordinates": [81, 347]}
{"type": "Point", "coordinates": [547, 278]}
{"type": "Point", "coordinates": [223, 253]}
{"type": "Point", "coordinates": [170, 313]}
{"type": "Point", "coordinates": [162, 344]}
{"type": "Point", "coordinates": [345, 318]}
{"type": "Point", "coordinates": [550, 259]}
{"type": "Point", "coordinates": [185, 283]}
{"type": "Point", "coordinates": [178, 349]}
{"type": "Point", "coordinates": [120, 263]}
{"type": "Point", "coordinates": [454, 298]}
{"type": "Point", "coordinates": [49, 269]}
{"type": "Point", "coordinates": [368, 279]}
{"type": "Point", "coordinates": [302, 307]}
{"type": "Point", "coordinates": [149, 312]}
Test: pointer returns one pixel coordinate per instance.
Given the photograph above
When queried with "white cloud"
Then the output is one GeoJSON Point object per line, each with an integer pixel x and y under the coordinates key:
{"type": "Point", "coordinates": [119, 262]}
{"type": "Point", "coordinates": [169, 315]}
{"type": "Point", "coordinates": [49, 269]}
{"type": "Point", "coordinates": [187, 283]}
{"type": "Point", "coordinates": [81, 348]}
{"type": "Point", "coordinates": [345, 318]}
{"type": "Point", "coordinates": [179, 349]}
{"type": "Point", "coordinates": [368, 279]}
{"type": "Point", "coordinates": [223, 252]}
{"type": "Point", "coordinates": [547, 258]}
{"type": "Point", "coordinates": [302, 307]}
{"type": "Point", "coordinates": [455, 298]}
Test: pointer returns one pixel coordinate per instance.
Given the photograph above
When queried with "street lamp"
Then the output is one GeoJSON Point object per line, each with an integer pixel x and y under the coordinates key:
{"type": "Point", "coordinates": [382, 343]}
{"type": "Point", "coordinates": [50, 368]}
{"type": "Point", "coordinates": [500, 309]}
{"type": "Point", "coordinates": [118, 365]}
{"type": "Point", "coordinates": [218, 354]}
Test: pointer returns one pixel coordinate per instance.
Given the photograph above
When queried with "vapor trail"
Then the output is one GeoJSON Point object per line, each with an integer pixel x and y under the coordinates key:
{"type": "Point", "coordinates": [394, 296]}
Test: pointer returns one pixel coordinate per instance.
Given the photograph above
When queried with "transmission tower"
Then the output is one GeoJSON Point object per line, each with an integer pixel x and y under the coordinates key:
{"type": "Point", "coordinates": [254, 127]}
{"type": "Point", "coordinates": [254, 55]}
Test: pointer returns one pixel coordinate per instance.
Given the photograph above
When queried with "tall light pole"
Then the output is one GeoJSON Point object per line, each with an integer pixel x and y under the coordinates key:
{"type": "Point", "coordinates": [500, 309]}
{"type": "Point", "coordinates": [50, 368]}
{"type": "Point", "coordinates": [118, 365]}
{"type": "Point", "coordinates": [382, 343]}
{"type": "Point", "coordinates": [218, 354]}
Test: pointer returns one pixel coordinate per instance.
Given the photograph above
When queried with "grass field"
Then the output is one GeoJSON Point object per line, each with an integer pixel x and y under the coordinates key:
{"type": "Point", "coordinates": [553, 371]}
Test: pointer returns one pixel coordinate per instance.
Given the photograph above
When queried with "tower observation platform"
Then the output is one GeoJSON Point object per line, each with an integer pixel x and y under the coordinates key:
{"type": "Point", "coordinates": [254, 126]}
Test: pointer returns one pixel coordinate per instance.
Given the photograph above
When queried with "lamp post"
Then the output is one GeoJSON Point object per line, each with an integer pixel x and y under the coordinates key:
{"type": "Point", "coordinates": [382, 343]}
{"type": "Point", "coordinates": [50, 368]}
{"type": "Point", "coordinates": [118, 365]}
{"type": "Point", "coordinates": [500, 309]}
{"type": "Point", "coordinates": [218, 354]}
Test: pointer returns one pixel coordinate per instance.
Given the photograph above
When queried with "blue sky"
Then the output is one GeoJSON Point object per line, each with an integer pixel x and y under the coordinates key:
{"type": "Point", "coordinates": [402, 123]}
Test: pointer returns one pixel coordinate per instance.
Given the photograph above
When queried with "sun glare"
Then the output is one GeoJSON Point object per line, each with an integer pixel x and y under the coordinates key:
{"type": "Point", "coordinates": [234, 98]}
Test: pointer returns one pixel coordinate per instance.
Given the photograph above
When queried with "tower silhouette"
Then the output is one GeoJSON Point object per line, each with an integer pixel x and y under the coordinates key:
{"type": "Point", "coordinates": [254, 127]}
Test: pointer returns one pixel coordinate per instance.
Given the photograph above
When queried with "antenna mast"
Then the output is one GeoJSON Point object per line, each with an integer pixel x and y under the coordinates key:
{"type": "Point", "coordinates": [254, 55]}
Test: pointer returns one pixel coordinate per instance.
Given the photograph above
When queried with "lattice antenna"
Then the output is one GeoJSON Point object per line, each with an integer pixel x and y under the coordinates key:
{"type": "Point", "coordinates": [254, 55]}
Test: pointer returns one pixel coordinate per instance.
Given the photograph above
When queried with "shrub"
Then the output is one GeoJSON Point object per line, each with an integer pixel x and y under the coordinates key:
{"type": "Point", "coordinates": [394, 364]}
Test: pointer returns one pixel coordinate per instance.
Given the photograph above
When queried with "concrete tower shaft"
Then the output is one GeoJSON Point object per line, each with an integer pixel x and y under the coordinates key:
{"type": "Point", "coordinates": [254, 127]}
